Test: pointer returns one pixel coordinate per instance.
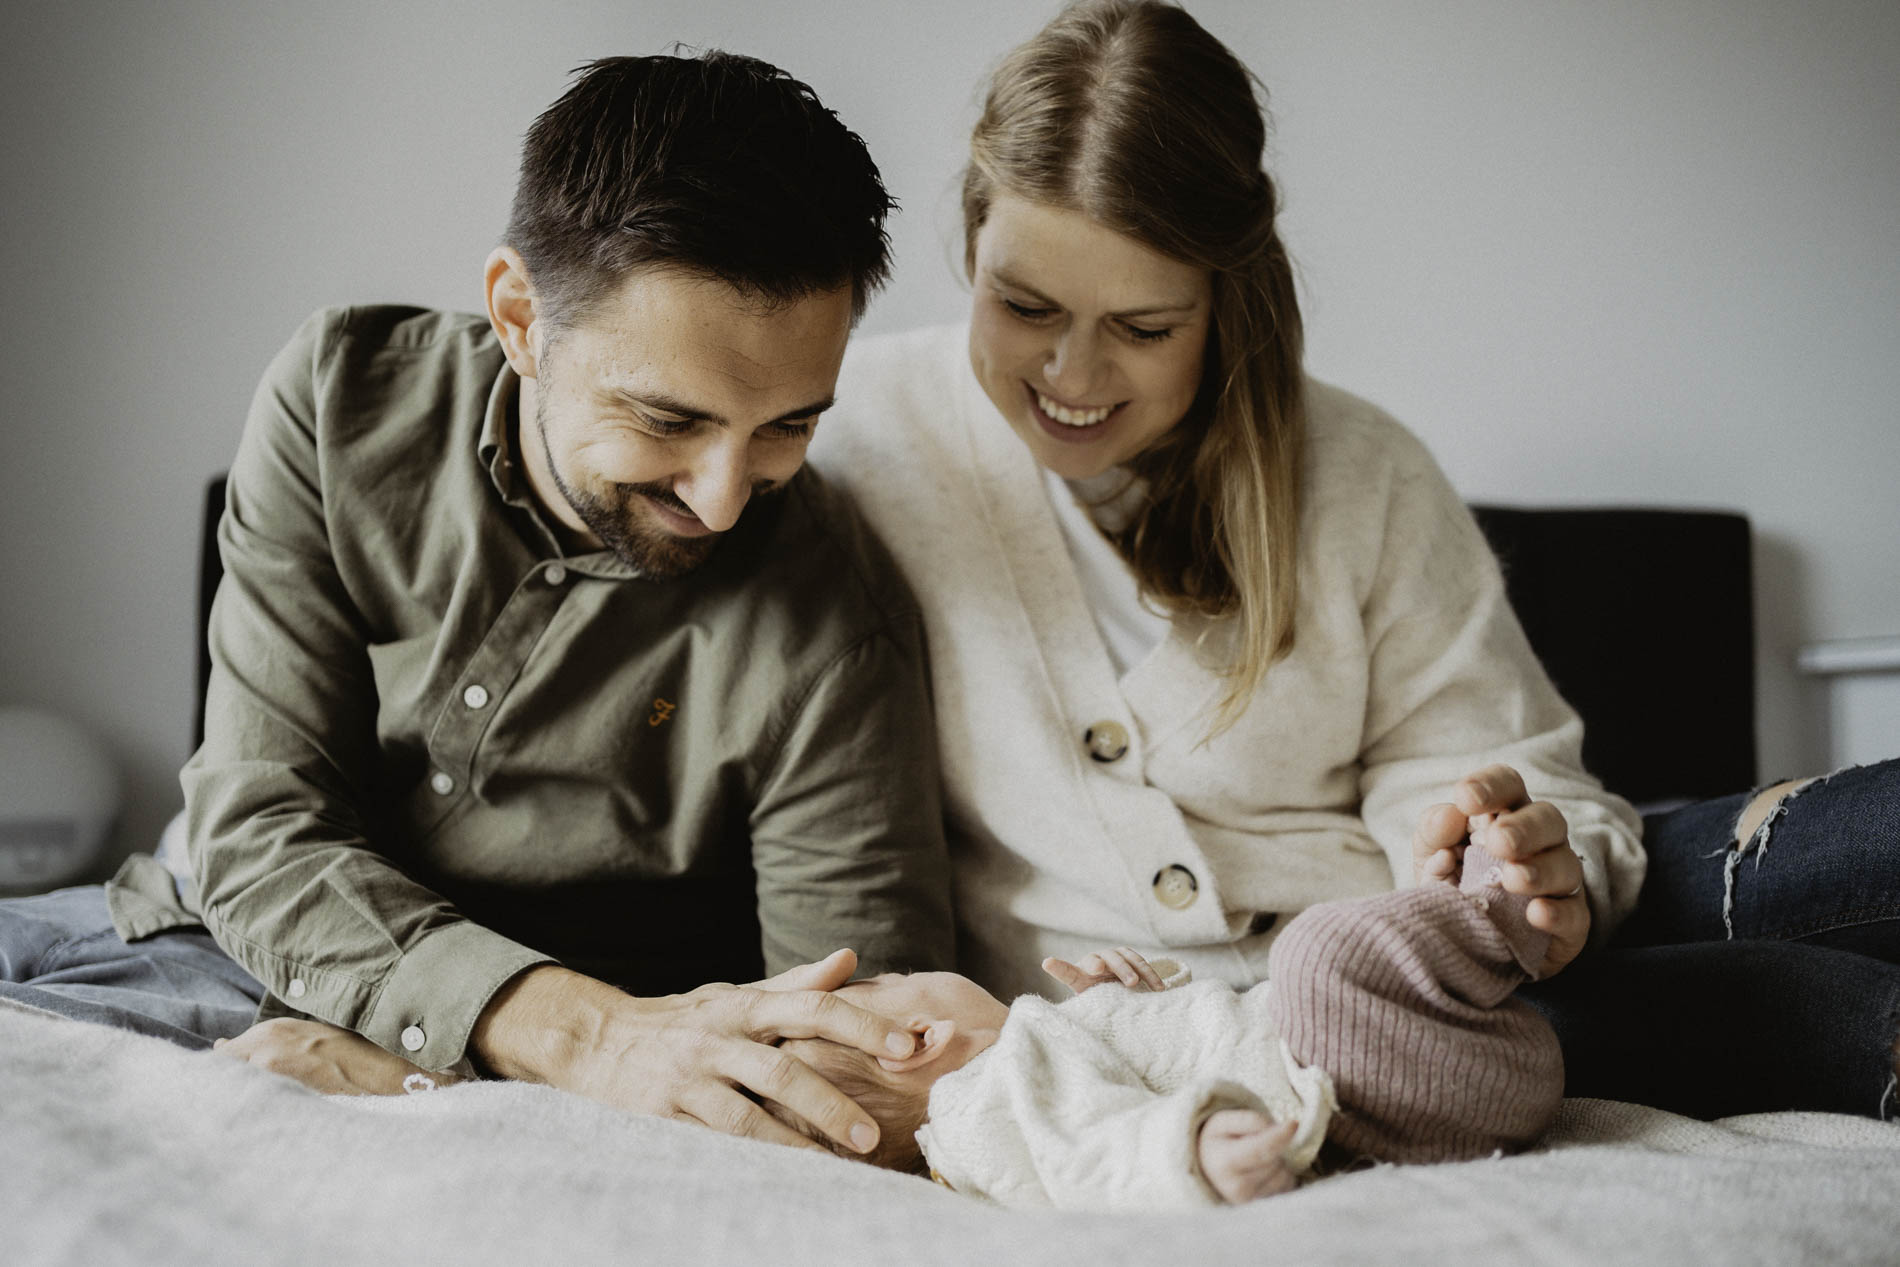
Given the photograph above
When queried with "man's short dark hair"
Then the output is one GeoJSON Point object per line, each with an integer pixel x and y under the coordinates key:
{"type": "Point", "coordinates": [718, 164]}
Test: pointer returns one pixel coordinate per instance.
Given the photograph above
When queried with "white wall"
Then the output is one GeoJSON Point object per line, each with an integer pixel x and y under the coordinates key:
{"type": "Point", "coordinates": [1594, 252]}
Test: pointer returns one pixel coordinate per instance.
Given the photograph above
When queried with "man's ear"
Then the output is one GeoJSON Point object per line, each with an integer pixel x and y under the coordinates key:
{"type": "Point", "coordinates": [513, 310]}
{"type": "Point", "coordinates": [934, 1040]}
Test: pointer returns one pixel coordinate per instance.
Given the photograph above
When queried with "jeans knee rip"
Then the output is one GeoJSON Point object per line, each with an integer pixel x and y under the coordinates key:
{"type": "Point", "coordinates": [1757, 843]}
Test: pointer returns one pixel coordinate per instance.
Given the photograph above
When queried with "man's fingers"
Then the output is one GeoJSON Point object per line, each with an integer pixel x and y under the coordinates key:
{"type": "Point", "coordinates": [1492, 790]}
{"type": "Point", "coordinates": [827, 974]}
{"type": "Point", "coordinates": [773, 1014]}
{"type": "Point", "coordinates": [773, 1075]}
{"type": "Point", "coordinates": [726, 1111]}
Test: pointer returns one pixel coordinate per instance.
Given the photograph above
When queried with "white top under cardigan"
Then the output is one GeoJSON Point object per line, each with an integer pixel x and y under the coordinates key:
{"type": "Point", "coordinates": [1408, 672]}
{"type": "Point", "coordinates": [1097, 1103]}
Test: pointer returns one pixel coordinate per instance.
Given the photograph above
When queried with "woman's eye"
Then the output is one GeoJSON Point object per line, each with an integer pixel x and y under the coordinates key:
{"type": "Point", "coordinates": [1026, 312]}
{"type": "Point", "coordinates": [1145, 334]}
{"type": "Point", "coordinates": [790, 430]}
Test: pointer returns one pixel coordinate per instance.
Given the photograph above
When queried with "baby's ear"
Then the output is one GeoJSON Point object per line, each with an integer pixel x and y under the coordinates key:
{"type": "Point", "coordinates": [932, 1041]}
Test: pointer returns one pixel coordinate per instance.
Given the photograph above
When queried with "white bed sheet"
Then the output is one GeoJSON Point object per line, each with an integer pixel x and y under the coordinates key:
{"type": "Point", "coordinates": [124, 1149]}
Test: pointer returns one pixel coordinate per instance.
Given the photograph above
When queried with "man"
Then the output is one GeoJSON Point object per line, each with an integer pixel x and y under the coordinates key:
{"type": "Point", "coordinates": [542, 673]}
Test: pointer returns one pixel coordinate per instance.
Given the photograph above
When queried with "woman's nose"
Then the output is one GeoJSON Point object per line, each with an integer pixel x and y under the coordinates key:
{"type": "Point", "coordinates": [1072, 367]}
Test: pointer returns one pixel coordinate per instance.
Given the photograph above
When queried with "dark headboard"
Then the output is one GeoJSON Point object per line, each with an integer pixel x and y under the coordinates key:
{"type": "Point", "coordinates": [1645, 621]}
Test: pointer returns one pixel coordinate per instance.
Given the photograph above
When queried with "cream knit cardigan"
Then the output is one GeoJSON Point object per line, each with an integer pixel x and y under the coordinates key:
{"type": "Point", "coordinates": [1408, 671]}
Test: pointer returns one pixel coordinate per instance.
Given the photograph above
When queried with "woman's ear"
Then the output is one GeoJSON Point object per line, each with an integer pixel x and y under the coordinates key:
{"type": "Point", "coordinates": [934, 1039]}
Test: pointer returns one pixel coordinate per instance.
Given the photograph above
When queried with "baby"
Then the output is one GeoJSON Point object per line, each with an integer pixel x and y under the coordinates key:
{"type": "Point", "coordinates": [1386, 1032]}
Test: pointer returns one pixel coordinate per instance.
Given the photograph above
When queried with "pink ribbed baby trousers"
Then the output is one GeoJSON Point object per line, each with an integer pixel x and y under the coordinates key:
{"type": "Point", "coordinates": [1405, 1000]}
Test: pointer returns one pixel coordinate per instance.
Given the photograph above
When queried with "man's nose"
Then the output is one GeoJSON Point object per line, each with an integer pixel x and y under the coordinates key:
{"type": "Point", "coordinates": [717, 485]}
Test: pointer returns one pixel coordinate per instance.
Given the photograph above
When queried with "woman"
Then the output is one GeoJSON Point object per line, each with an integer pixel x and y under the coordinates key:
{"type": "Point", "coordinates": [1212, 641]}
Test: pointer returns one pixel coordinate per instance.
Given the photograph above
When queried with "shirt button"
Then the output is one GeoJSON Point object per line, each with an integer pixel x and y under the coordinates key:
{"type": "Point", "coordinates": [1106, 740]}
{"type": "Point", "coordinates": [413, 1038]}
{"type": "Point", "coordinates": [296, 988]}
{"type": "Point", "coordinates": [476, 696]}
{"type": "Point", "coordinates": [556, 574]}
{"type": "Point", "coordinates": [1176, 888]}
{"type": "Point", "coordinates": [442, 783]}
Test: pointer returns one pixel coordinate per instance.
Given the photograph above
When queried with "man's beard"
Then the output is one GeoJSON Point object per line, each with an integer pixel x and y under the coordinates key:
{"type": "Point", "coordinates": [614, 518]}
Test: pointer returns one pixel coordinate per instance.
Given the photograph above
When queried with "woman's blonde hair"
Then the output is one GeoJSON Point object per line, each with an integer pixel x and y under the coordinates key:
{"type": "Point", "coordinates": [1130, 113]}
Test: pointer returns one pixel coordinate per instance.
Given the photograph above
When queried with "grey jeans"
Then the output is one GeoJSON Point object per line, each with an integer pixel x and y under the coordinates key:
{"type": "Point", "coordinates": [59, 952]}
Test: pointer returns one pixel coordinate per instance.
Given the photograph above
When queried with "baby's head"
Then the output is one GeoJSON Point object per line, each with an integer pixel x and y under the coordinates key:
{"type": "Point", "coordinates": [953, 1017]}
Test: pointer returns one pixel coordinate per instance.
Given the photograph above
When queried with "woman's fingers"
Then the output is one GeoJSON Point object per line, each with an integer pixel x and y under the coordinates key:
{"type": "Point", "coordinates": [1438, 843]}
{"type": "Point", "coordinates": [1495, 789]}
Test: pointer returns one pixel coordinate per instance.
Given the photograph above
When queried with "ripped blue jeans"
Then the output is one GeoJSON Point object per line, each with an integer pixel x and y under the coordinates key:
{"type": "Point", "coordinates": [1752, 977]}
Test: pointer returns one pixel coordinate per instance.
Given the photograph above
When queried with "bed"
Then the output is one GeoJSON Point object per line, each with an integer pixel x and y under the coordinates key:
{"type": "Point", "coordinates": [124, 1149]}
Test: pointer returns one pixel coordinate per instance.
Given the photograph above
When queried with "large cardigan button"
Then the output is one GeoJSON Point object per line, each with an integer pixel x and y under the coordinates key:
{"type": "Point", "coordinates": [1106, 740]}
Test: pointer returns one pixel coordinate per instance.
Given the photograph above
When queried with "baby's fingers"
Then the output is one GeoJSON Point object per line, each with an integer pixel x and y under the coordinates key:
{"type": "Point", "coordinates": [1146, 978]}
{"type": "Point", "coordinates": [1075, 976]}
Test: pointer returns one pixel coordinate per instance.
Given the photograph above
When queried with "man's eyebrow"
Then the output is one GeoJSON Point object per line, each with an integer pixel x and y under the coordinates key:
{"type": "Point", "coordinates": [1150, 310]}
{"type": "Point", "coordinates": [660, 402]}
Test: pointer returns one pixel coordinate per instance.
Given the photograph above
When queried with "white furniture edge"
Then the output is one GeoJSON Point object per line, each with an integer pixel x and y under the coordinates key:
{"type": "Point", "coordinates": [1850, 655]}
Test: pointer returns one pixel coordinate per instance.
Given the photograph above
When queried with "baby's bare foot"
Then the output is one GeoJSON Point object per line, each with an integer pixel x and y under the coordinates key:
{"type": "Point", "coordinates": [1242, 1155]}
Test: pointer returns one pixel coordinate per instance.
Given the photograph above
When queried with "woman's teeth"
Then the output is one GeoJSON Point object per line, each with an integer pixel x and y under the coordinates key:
{"type": "Point", "coordinates": [1073, 417]}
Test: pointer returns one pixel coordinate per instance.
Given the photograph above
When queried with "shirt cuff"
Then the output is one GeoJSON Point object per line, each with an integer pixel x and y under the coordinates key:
{"type": "Point", "coordinates": [429, 1003]}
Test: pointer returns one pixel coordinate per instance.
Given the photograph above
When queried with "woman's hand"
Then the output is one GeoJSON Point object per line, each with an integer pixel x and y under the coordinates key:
{"type": "Point", "coordinates": [1530, 839]}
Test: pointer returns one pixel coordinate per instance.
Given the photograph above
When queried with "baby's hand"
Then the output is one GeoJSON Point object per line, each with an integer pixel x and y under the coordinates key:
{"type": "Point", "coordinates": [1241, 1155]}
{"type": "Point", "coordinates": [1120, 964]}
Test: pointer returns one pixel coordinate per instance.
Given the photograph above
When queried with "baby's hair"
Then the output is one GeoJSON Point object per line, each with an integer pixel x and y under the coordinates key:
{"type": "Point", "coordinates": [897, 1106]}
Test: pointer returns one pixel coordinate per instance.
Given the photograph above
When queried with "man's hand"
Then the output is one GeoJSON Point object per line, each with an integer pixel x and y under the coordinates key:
{"type": "Point", "coordinates": [696, 1057]}
{"type": "Point", "coordinates": [1530, 839]}
{"type": "Point", "coordinates": [324, 1058]}
{"type": "Point", "coordinates": [1120, 964]}
{"type": "Point", "coordinates": [1242, 1154]}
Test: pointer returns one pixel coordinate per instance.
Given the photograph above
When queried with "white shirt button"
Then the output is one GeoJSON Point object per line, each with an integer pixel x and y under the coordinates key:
{"type": "Point", "coordinates": [296, 989]}
{"type": "Point", "coordinates": [556, 574]}
{"type": "Point", "coordinates": [1176, 888]}
{"type": "Point", "coordinates": [1106, 740]}
{"type": "Point", "coordinates": [476, 696]}
{"type": "Point", "coordinates": [442, 783]}
{"type": "Point", "coordinates": [413, 1038]}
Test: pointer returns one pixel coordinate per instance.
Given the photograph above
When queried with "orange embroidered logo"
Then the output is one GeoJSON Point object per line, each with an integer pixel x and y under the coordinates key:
{"type": "Point", "coordinates": [662, 712]}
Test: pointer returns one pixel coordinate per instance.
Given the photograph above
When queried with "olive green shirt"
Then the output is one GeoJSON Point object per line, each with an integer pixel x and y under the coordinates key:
{"type": "Point", "coordinates": [438, 751]}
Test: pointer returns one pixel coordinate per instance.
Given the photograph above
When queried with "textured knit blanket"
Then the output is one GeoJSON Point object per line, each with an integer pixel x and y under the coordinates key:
{"type": "Point", "coordinates": [123, 1149]}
